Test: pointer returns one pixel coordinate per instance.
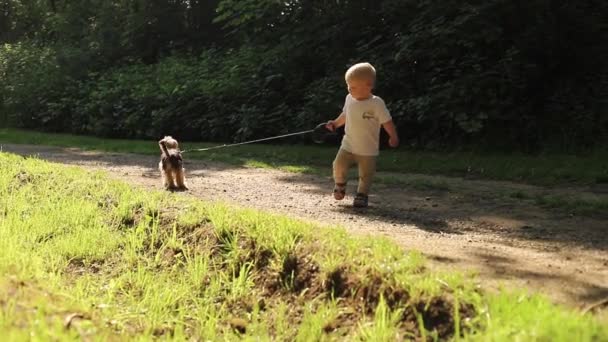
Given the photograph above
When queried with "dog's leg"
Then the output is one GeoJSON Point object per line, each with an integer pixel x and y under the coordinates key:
{"type": "Point", "coordinates": [168, 182]}
{"type": "Point", "coordinates": [164, 175]}
{"type": "Point", "coordinates": [181, 179]}
{"type": "Point", "coordinates": [171, 175]}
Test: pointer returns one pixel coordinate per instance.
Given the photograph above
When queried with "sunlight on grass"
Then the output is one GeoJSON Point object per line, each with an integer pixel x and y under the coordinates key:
{"type": "Point", "coordinates": [138, 264]}
{"type": "Point", "coordinates": [384, 325]}
{"type": "Point", "coordinates": [521, 317]}
{"type": "Point", "coordinates": [316, 321]}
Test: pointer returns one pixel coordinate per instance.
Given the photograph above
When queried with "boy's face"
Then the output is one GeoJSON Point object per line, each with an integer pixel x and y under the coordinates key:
{"type": "Point", "coordinates": [360, 89]}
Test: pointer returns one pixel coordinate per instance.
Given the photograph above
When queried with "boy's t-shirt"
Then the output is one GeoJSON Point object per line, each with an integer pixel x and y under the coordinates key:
{"type": "Point", "coordinates": [363, 121]}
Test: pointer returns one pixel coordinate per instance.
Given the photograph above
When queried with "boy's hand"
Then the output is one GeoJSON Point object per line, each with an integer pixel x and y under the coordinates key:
{"type": "Point", "coordinates": [393, 141]}
{"type": "Point", "coordinates": [332, 125]}
{"type": "Point", "coordinates": [393, 137]}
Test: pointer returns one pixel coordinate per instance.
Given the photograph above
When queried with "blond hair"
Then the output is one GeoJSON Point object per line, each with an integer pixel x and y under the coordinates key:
{"type": "Point", "coordinates": [361, 71]}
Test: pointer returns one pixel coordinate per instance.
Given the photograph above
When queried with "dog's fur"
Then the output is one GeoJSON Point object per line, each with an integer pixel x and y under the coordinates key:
{"type": "Point", "coordinates": [171, 165]}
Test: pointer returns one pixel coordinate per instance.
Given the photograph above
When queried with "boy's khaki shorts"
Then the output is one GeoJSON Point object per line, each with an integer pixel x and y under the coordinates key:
{"type": "Point", "coordinates": [367, 169]}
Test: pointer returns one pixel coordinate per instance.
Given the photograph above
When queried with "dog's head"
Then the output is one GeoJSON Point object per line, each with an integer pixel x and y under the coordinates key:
{"type": "Point", "coordinates": [170, 142]}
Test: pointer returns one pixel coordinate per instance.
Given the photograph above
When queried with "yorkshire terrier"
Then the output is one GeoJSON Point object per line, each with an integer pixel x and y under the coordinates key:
{"type": "Point", "coordinates": [171, 165]}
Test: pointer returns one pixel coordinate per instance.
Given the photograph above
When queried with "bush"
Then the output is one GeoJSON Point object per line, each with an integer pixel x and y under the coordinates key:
{"type": "Point", "coordinates": [495, 73]}
{"type": "Point", "coordinates": [217, 96]}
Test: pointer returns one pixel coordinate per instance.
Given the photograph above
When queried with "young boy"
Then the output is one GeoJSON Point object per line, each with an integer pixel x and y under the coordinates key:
{"type": "Point", "coordinates": [363, 114]}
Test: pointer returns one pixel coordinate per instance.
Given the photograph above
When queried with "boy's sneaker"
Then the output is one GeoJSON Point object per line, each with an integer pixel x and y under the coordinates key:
{"type": "Point", "coordinates": [360, 201]}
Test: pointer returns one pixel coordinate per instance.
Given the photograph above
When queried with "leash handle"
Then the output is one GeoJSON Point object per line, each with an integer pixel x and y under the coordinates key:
{"type": "Point", "coordinates": [249, 142]}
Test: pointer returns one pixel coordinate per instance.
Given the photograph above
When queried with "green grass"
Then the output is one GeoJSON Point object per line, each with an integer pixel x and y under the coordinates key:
{"type": "Point", "coordinates": [519, 317]}
{"type": "Point", "coordinates": [575, 203]}
{"type": "Point", "coordinates": [135, 264]}
{"type": "Point", "coordinates": [544, 169]}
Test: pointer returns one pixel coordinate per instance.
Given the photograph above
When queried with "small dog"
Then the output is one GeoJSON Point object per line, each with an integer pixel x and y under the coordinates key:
{"type": "Point", "coordinates": [171, 165]}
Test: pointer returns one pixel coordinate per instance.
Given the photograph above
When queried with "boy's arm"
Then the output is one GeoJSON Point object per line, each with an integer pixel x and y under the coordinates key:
{"type": "Point", "coordinates": [338, 122]}
{"type": "Point", "coordinates": [390, 128]}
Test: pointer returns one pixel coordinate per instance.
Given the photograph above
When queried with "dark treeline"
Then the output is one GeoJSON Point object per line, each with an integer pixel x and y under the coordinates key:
{"type": "Point", "coordinates": [509, 74]}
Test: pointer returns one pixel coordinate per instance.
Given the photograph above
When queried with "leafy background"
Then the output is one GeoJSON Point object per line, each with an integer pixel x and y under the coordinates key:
{"type": "Point", "coordinates": [511, 75]}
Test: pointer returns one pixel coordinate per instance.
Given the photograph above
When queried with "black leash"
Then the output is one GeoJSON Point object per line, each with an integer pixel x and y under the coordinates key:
{"type": "Point", "coordinates": [250, 142]}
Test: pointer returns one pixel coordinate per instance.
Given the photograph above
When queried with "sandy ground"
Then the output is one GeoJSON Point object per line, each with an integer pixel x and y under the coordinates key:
{"type": "Point", "coordinates": [472, 226]}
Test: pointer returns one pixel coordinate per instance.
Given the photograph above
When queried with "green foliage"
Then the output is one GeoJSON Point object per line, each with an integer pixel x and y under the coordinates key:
{"type": "Point", "coordinates": [216, 96]}
{"type": "Point", "coordinates": [499, 73]}
{"type": "Point", "coordinates": [32, 86]}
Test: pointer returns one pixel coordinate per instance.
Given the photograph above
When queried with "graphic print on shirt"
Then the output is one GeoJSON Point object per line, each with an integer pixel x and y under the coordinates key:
{"type": "Point", "coordinates": [368, 115]}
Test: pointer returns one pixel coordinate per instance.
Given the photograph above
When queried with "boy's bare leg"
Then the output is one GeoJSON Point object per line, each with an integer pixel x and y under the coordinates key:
{"type": "Point", "coordinates": [344, 160]}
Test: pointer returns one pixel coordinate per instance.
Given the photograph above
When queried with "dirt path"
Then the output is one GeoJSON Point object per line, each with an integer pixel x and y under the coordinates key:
{"type": "Point", "coordinates": [471, 226]}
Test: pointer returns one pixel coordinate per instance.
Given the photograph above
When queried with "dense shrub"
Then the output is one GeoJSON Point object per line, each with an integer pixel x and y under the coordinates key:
{"type": "Point", "coordinates": [514, 75]}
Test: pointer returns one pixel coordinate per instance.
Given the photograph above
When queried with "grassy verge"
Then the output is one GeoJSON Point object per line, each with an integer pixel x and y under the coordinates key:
{"type": "Point", "coordinates": [580, 204]}
{"type": "Point", "coordinates": [542, 169]}
{"type": "Point", "coordinates": [87, 257]}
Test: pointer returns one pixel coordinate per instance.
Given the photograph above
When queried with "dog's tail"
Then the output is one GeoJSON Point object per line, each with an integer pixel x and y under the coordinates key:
{"type": "Point", "coordinates": [174, 159]}
{"type": "Point", "coordinates": [163, 148]}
